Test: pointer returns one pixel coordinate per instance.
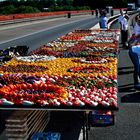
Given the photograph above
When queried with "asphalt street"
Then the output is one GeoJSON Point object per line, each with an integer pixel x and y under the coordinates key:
{"type": "Point", "coordinates": [37, 34]}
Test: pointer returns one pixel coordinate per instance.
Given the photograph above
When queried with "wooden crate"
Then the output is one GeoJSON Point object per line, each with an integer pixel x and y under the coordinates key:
{"type": "Point", "coordinates": [23, 123]}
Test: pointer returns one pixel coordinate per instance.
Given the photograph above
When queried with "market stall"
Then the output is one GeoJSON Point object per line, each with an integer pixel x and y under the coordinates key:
{"type": "Point", "coordinates": [78, 71]}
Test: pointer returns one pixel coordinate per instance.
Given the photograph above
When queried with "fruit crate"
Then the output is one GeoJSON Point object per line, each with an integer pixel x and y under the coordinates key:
{"type": "Point", "coordinates": [101, 119]}
{"type": "Point", "coordinates": [22, 124]}
{"type": "Point", "coordinates": [46, 136]}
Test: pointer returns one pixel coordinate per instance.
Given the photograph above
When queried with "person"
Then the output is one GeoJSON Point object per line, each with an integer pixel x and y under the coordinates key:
{"type": "Point", "coordinates": [134, 53]}
{"type": "Point", "coordinates": [135, 38]}
{"type": "Point", "coordinates": [96, 12]}
{"type": "Point", "coordinates": [124, 30]}
{"type": "Point", "coordinates": [103, 21]}
{"type": "Point", "coordinates": [137, 17]}
{"type": "Point", "coordinates": [136, 30]}
{"type": "Point", "coordinates": [120, 18]}
{"type": "Point", "coordinates": [112, 12]}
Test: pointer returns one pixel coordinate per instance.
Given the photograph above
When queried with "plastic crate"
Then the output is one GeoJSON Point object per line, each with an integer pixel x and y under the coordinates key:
{"type": "Point", "coordinates": [100, 119]}
{"type": "Point", "coordinates": [46, 136]}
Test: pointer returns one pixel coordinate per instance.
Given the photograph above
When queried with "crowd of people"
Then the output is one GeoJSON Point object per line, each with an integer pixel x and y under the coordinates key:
{"type": "Point", "coordinates": [131, 42]}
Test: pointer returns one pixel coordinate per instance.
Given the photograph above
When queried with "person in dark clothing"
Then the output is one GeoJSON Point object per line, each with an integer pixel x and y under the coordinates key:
{"type": "Point", "coordinates": [124, 30]}
{"type": "Point", "coordinates": [96, 12]}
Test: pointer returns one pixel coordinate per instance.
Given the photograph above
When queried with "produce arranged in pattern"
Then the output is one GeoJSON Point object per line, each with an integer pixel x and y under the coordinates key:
{"type": "Point", "coordinates": [76, 70]}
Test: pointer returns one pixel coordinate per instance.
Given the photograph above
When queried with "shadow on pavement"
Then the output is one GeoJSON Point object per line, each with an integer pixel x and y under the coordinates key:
{"type": "Point", "coordinates": [125, 72]}
{"type": "Point", "coordinates": [126, 85]}
{"type": "Point", "coordinates": [131, 98]}
{"type": "Point", "coordinates": [129, 67]}
{"type": "Point", "coordinates": [126, 89]}
{"type": "Point", "coordinates": [67, 123]}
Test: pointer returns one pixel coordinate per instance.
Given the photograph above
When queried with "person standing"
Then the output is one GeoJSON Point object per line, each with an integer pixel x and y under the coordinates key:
{"type": "Point", "coordinates": [134, 53]}
{"type": "Point", "coordinates": [136, 30]}
{"type": "Point", "coordinates": [135, 38]}
{"type": "Point", "coordinates": [120, 18]}
{"type": "Point", "coordinates": [96, 12]}
{"type": "Point", "coordinates": [103, 21]}
{"type": "Point", "coordinates": [124, 30]}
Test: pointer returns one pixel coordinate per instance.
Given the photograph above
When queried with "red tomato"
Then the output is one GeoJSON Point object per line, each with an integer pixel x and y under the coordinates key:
{"type": "Point", "coordinates": [19, 96]}
{"type": "Point", "coordinates": [23, 86]}
{"type": "Point", "coordinates": [43, 96]}
{"type": "Point", "coordinates": [29, 86]}
{"type": "Point", "coordinates": [35, 86]}
{"type": "Point", "coordinates": [12, 87]}
{"type": "Point", "coordinates": [39, 102]}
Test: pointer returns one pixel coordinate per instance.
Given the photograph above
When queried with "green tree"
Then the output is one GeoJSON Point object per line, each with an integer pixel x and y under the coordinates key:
{"type": "Point", "coordinates": [79, 2]}
{"type": "Point", "coordinates": [59, 2]}
{"type": "Point", "coordinates": [27, 9]}
{"type": "Point", "coordinates": [7, 10]}
{"type": "Point", "coordinates": [67, 2]}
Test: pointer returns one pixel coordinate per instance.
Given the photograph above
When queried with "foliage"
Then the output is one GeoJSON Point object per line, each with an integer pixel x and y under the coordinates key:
{"type": "Point", "coordinates": [29, 6]}
{"type": "Point", "coordinates": [27, 9]}
{"type": "Point", "coordinates": [68, 8]}
{"type": "Point", "coordinates": [7, 9]}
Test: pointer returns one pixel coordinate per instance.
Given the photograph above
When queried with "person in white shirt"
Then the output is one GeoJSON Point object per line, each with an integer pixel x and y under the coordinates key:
{"type": "Point", "coordinates": [120, 17]}
{"type": "Point", "coordinates": [136, 30]}
{"type": "Point", "coordinates": [123, 27]}
{"type": "Point", "coordinates": [124, 30]}
{"type": "Point", "coordinates": [135, 38]}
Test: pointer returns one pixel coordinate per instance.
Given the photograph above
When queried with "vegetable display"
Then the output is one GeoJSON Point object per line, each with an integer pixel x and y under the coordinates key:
{"type": "Point", "coordinates": [78, 70]}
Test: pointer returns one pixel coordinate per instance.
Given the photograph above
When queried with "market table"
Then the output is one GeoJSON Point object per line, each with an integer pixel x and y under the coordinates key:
{"type": "Point", "coordinates": [77, 72]}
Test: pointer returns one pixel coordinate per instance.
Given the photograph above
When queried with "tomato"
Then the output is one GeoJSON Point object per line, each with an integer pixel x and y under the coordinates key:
{"type": "Point", "coordinates": [1, 102]}
{"type": "Point", "coordinates": [35, 86]}
{"type": "Point", "coordinates": [13, 95]}
{"type": "Point", "coordinates": [40, 86]}
{"type": "Point", "coordinates": [23, 86]}
{"type": "Point", "coordinates": [18, 102]}
{"type": "Point", "coordinates": [19, 96]}
{"type": "Point", "coordinates": [43, 96]}
{"type": "Point", "coordinates": [36, 96]}
{"type": "Point", "coordinates": [29, 86]}
{"type": "Point", "coordinates": [39, 102]}
{"type": "Point", "coordinates": [25, 95]}
{"type": "Point", "coordinates": [12, 87]}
